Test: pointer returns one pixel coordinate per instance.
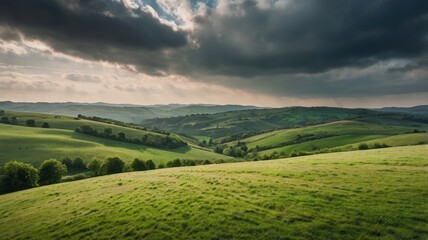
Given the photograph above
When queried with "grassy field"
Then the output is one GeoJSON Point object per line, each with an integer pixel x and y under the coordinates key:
{"type": "Point", "coordinates": [246, 123]}
{"type": "Point", "coordinates": [71, 123]}
{"type": "Point", "coordinates": [399, 140]}
{"type": "Point", "coordinates": [34, 145]}
{"type": "Point", "coordinates": [330, 142]}
{"type": "Point", "coordinates": [373, 194]}
{"type": "Point", "coordinates": [331, 135]}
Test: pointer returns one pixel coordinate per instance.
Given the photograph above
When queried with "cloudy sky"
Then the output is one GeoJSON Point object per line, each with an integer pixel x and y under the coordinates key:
{"type": "Point", "coordinates": [348, 53]}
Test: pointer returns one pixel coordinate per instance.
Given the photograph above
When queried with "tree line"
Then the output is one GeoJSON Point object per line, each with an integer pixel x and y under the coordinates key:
{"type": "Point", "coordinates": [29, 122]}
{"type": "Point", "coordinates": [19, 176]}
{"type": "Point", "coordinates": [152, 140]}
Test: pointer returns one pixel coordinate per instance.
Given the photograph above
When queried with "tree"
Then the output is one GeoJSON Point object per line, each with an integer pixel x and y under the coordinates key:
{"type": "Point", "coordinates": [5, 120]}
{"type": "Point", "coordinates": [95, 167]}
{"type": "Point", "coordinates": [78, 163]}
{"type": "Point", "coordinates": [86, 129]}
{"type": "Point", "coordinates": [144, 139]}
{"type": "Point", "coordinates": [51, 171]}
{"type": "Point", "coordinates": [108, 132]}
{"type": "Point", "coordinates": [150, 164]}
{"type": "Point", "coordinates": [238, 152]}
{"type": "Point", "coordinates": [67, 162]}
{"type": "Point", "coordinates": [229, 151]}
{"type": "Point", "coordinates": [14, 120]}
{"type": "Point", "coordinates": [363, 146]}
{"type": "Point", "coordinates": [206, 162]}
{"type": "Point", "coordinates": [189, 163]}
{"type": "Point", "coordinates": [19, 176]}
{"type": "Point", "coordinates": [112, 165]}
{"type": "Point", "coordinates": [161, 166]}
{"type": "Point", "coordinates": [45, 125]}
{"type": "Point", "coordinates": [174, 163]}
{"type": "Point", "coordinates": [30, 123]}
{"type": "Point", "coordinates": [121, 135]}
{"type": "Point", "coordinates": [138, 165]}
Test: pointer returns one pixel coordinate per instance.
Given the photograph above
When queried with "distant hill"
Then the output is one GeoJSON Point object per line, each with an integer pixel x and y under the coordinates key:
{"type": "Point", "coordinates": [420, 110]}
{"type": "Point", "coordinates": [333, 135]}
{"type": "Point", "coordinates": [239, 124]}
{"type": "Point", "coordinates": [122, 112]}
{"type": "Point", "coordinates": [36, 144]}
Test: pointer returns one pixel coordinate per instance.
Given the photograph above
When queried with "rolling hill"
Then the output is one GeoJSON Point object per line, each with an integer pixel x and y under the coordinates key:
{"type": "Point", "coordinates": [35, 144]}
{"type": "Point", "coordinates": [121, 112]}
{"type": "Point", "coordinates": [329, 135]}
{"type": "Point", "coordinates": [369, 194]}
{"type": "Point", "coordinates": [229, 126]}
{"type": "Point", "coordinates": [418, 110]}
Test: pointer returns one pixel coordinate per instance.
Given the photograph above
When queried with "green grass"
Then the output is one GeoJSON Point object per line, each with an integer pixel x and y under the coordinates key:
{"type": "Point", "coordinates": [330, 142]}
{"type": "Point", "coordinates": [241, 124]}
{"type": "Point", "coordinates": [338, 133]}
{"type": "Point", "coordinates": [373, 194]}
{"type": "Point", "coordinates": [34, 145]}
{"type": "Point", "coordinates": [398, 140]}
{"type": "Point", "coordinates": [71, 123]}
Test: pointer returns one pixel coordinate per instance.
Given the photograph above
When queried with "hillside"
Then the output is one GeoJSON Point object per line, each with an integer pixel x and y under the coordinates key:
{"type": "Point", "coordinates": [35, 144]}
{"type": "Point", "coordinates": [329, 135]}
{"type": "Point", "coordinates": [122, 112]}
{"type": "Point", "coordinates": [418, 110]}
{"type": "Point", "coordinates": [229, 126]}
{"type": "Point", "coordinates": [121, 132]}
{"type": "Point", "coordinates": [364, 194]}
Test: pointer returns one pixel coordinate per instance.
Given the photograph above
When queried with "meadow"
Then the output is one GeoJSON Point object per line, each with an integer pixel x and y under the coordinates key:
{"type": "Point", "coordinates": [71, 123]}
{"type": "Point", "coordinates": [372, 194]}
{"type": "Point", "coordinates": [34, 145]}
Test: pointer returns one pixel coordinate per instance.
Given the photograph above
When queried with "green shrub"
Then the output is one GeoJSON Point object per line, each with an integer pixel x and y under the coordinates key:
{"type": "Point", "coordinates": [294, 154]}
{"type": "Point", "coordinates": [175, 163]}
{"type": "Point", "coordinates": [76, 177]}
{"type": "Point", "coordinates": [363, 146]}
{"type": "Point", "coordinates": [95, 167]}
{"type": "Point", "coordinates": [189, 163]}
{"type": "Point", "coordinates": [4, 120]}
{"type": "Point", "coordinates": [67, 162]}
{"type": "Point", "coordinates": [161, 166]}
{"type": "Point", "coordinates": [206, 162]}
{"type": "Point", "coordinates": [78, 163]}
{"type": "Point", "coordinates": [112, 165]}
{"type": "Point", "coordinates": [138, 165]}
{"type": "Point", "coordinates": [19, 176]}
{"type": "Point", "coordinates": [51, 171]}
{"type": "Point", "coordinates": [30, 123]}
{"type": "Point", "coordinates": [150, 164]}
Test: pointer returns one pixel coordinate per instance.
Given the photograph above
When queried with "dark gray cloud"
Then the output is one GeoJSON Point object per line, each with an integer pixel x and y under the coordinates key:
{"type": "Point", "coordinates": [334, 84]}
{"type": "Point", "coordinates": [93, 29]}
{"type": "Point", "coordinates": [311, 36]}
{"type": "Point", "coordinates": [308, 48]}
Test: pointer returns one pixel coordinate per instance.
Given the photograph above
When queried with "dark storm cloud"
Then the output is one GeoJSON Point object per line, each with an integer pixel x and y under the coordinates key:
{"type": "Point", "coordinates": [93, 29]}
{"type": "Point", "coordinates": [311, 36]}
{"type": "Point", "coordinates": [302, 49]}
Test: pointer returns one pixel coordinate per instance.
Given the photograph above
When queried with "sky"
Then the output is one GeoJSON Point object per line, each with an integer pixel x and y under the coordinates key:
{"type": "Point", "coordinates": [345, 53]}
